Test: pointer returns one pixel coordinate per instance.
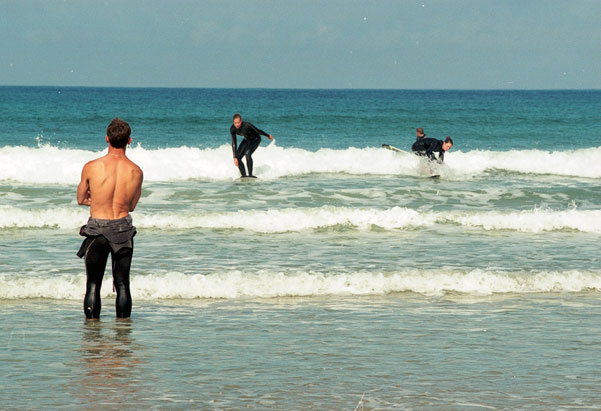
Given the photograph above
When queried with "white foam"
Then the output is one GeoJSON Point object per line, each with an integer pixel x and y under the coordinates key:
{"type": "Point", "coordinates": [533, 221]}
{"type": "Point", "coordinates": [47, 164]}
{"type": "Point", "coordinates": [298, 219]}
{"type": "Point", "coordinates": [62, 217]}
{"type": "Point", "coordinates": [270, 284]}
{"type": "Point", "coordinates": [291, 219]}
{"type": "Point", "coordinates": [574, 163]}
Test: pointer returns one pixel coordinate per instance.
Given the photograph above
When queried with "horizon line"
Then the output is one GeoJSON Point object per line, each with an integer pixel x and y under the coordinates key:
{"type": "Point", "coordinates": [299, 88]}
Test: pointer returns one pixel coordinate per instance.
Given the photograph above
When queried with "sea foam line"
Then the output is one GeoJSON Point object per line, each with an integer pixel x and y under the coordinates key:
{"type": "Point", "coordinates": [299, 219]}
{"type": "Point", "coordinates": [51, 165]}
{"type": "Point", "coordinates": [271, 284]}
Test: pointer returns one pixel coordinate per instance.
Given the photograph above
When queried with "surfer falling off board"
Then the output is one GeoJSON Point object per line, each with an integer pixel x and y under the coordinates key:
{"type": "Point", "coordinates": [425, 146]}
{"type": "Point", "coordinates": [252, 139]}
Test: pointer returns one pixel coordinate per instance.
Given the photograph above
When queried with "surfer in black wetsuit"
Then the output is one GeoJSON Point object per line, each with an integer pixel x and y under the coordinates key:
{"type": "Point", "coordinates": [252, 139]}
{"type": "Point", "coordinates": [426, 147]}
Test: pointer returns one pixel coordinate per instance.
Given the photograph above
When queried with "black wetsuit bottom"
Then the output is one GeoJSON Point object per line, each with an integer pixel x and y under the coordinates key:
{"type": "Point", "coordinates": [96, 257]}
{"type": "Point", "coordinates": [247, 148]}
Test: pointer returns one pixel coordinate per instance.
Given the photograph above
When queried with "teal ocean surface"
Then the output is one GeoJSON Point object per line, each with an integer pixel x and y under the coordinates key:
{"type": "Point", "coordinates": [343, 278]}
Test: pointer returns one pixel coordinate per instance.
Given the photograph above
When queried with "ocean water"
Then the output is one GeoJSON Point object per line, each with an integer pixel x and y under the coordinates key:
{"type": "Point", "coordinates": [344, 278]}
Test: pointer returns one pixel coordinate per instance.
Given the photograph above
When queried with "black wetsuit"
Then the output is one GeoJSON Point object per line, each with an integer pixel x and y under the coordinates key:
{"type": "Point", "coordinates": [104, 237]}
{"type": "Point", "coordinates": [427, 147]}
{"type": "Point", "coordinates": [252, 139]}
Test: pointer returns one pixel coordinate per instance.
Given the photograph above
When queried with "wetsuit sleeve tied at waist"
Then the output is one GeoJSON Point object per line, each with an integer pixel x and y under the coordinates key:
{"type": "Point", "coordinates": [119, 233]}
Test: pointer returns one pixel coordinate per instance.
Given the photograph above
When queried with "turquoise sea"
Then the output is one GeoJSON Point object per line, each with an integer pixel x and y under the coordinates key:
{"type": "Point", "coordinates": [344, 278]}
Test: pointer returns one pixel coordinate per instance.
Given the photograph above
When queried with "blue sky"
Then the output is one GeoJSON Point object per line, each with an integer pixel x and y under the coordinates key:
{"type": "Point", "coordinates": [402, 44]}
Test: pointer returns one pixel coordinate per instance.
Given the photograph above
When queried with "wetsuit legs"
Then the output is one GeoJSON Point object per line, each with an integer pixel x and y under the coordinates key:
{"type": "Point", "coordinates": [247, 148]}
{"type": "Point", "coordinates": [95, 259]}
{"type": "Point", "coordinates": [121, 265]}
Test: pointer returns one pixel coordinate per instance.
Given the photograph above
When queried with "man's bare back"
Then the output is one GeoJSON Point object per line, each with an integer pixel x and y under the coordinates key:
{"type": "Point", "coordinates": [110, 185]}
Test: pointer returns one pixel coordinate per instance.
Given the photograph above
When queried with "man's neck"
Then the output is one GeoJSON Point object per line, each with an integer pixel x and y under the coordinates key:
{"type": "Point", "coordinates": [117, 152]}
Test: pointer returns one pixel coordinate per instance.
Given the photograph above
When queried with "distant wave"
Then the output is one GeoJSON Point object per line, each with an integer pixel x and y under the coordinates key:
{"type": "Point", "coordinates": [267, 284]}
{"type": "Point", "coordinates": [52, 165]}
{"type": "Point", "coordinates": [298, 219]}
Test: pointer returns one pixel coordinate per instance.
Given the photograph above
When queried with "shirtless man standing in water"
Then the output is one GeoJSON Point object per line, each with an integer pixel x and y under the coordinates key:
{"type": "Point", "coordinates": [111, 186]}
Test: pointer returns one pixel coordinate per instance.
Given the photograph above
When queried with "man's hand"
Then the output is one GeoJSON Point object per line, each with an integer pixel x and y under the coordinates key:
{"type": "Point", "coordinates": [87, 200]}
{"type": "Point", "coordinates": [83, 189]}
{"type": "Point", "coordinates": [270, 137]}
{"type": "Point", "coordinates": [235, 161]}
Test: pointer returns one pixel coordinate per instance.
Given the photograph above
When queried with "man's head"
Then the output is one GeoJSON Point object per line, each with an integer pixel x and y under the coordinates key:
{"type": "Point", "coordinates": [237, 120]}
{"type": "Point", "coordinates": [118, 133]}
{"type": "Point", "coordinates": [419, 132]}
{"type": "Point", "coordinates": [448, 143]}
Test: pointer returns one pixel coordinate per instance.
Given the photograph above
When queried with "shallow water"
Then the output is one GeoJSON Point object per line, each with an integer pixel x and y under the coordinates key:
{"type": "Point", "coordinates": [376, 352]}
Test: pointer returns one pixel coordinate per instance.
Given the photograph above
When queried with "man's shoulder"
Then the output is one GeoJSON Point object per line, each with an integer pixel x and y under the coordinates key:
{"type": "Point", "coordinates": [93, 163]}
{"type": "Point", "coordinates": [133, 166]}
{"type": "Point", "coordinates": [137, 169]}
{"type": "Point", "coordinates": [130, 170]}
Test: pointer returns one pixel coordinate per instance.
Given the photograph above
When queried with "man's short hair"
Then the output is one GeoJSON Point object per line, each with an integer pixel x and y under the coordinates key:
{"type": "Point", "coordinates": [448, 140]}
{"type": "Point", "coordinates": [420, 130]}
{"type": "Point", "coordinates": [118, 133]}
{"type": "Point", "coordinates": [236, 116]}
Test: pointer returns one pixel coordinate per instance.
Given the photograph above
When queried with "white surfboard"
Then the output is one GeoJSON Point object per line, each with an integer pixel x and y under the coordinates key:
{"type": "Point", "coordinates": [398, 150]}
{"type": "Point", "coordinates": [247, 179]}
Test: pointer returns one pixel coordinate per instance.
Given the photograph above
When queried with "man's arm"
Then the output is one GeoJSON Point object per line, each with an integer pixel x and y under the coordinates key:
{"type": "Point", "coordinates": [261, 132]}
{"type": "Point", "coordinates": [234, 145]}
{"type": "Point", "coordinates": [83, 189]}
{"type": "Point", "coordinates": [234, 142]}
{"type": "Point", "coordinates": [430, 153]}
{"type": "Point", "coordinates": [436, 146]}
{"type": "Point", "coordinates": [136, 197]}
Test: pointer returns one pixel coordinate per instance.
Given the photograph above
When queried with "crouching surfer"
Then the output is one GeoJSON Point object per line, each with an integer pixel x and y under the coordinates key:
{"type": "Point", "coordinates": [428, 146]}
{"type": "Point", "coordinates": [111, 186]}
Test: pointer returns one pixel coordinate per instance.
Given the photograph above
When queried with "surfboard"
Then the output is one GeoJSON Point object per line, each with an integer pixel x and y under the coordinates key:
{"type": "Point", "coordinates": [398, 150]}
{"type": "Point", "coordinates": [247, 179]}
